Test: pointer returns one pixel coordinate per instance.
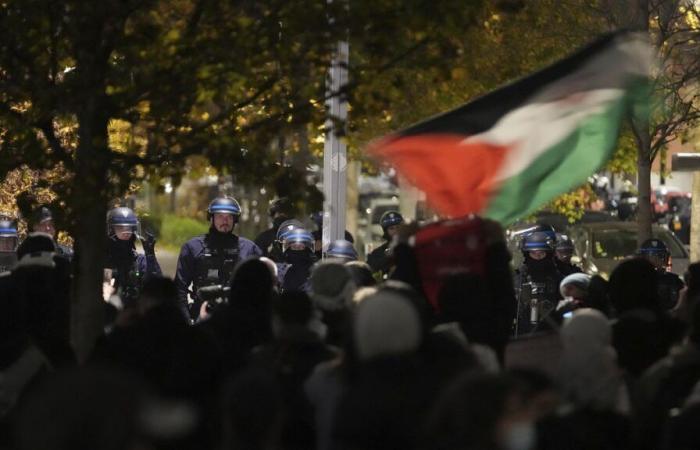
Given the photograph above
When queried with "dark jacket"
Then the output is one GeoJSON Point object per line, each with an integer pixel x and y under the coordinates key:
{"type": "Point", "coordinates": [378, 259]}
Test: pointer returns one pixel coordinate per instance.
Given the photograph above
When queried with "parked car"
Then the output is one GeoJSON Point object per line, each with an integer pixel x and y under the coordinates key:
{"type": "Point", "coordinates": [601, 246]}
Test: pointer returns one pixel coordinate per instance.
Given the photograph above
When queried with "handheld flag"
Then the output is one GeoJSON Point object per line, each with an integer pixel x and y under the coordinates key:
{"type": "Point", "coordinates": [507, 153]}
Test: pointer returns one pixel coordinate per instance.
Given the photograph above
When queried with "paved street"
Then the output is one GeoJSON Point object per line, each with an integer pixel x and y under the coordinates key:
{"type": "Point", "coordinates": [168, 261]}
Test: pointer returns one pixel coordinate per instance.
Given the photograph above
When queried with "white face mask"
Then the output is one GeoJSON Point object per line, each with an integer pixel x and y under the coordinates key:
{"type": "Point", "coordinates": [520, 436]}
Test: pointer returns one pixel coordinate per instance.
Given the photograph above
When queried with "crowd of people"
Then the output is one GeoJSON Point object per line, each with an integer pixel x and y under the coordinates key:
{"type": "Point", "coordinates": [266, 345]}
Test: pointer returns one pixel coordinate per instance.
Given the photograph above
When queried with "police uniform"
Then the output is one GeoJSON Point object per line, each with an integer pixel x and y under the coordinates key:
{"type": "Point", "coordinates": [209, 259]}
{"type": "Point", "coordinates": [378, 259]}
{"type": "Point", "coordinates": [537, 280]}
{"type": "Point", "coordinates": [295, 271]}
{"type": "Point", "coordinates": [130, 269]}
{"type": "Point", "coordinates": [669, 284]}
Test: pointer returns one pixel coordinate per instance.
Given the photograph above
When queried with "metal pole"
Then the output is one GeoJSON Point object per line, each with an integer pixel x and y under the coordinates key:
{"type": "Point", "coordinates": [334, 150]}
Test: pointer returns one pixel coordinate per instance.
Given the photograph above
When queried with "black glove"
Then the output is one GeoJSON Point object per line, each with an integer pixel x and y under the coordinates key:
{"type": "Point", "coordinates": [148, 243]}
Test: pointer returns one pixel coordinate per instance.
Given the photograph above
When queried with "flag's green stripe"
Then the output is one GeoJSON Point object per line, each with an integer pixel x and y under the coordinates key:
{"type": "Point", "coordinates": [562, 168]}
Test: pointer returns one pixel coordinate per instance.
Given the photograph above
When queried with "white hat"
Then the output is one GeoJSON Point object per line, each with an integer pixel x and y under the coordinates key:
{"type": "Point", "coordinates": [386, 324]}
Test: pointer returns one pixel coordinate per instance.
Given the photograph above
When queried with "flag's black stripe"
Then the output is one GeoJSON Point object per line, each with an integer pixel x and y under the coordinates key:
{"type": "Point", "coordinates": [482, 113]}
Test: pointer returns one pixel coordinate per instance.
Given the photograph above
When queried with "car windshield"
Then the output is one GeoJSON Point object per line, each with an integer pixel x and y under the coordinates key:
{"type": "Point", "coordinates": [620, 244]}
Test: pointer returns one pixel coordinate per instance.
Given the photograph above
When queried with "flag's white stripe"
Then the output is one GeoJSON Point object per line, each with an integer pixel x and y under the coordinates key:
{"type": "Point", "coordinates": [532, 130]}
{"type": "Point", "coordinates": [552, 114]}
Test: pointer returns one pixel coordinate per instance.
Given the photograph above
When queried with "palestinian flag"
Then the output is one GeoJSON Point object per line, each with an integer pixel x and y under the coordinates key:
{"type": "Point", "coordinates": [505, 154]}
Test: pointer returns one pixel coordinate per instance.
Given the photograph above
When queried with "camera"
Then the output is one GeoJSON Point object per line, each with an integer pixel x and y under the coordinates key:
{"type": "Point", "coordinates": [215, 295]}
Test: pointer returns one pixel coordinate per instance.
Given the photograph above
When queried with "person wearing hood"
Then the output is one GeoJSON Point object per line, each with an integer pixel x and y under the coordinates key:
{"type": "Point", "coordinates": [126, 268]}
{"type": "Point", "coordinates": [209, 259]}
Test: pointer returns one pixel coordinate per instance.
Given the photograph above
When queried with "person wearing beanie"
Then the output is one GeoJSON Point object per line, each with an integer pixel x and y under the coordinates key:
{"type": "Point", "coordinates": [386, 325]}
{"type": "Point", "coordinates": [332, 290]}
{"type": "Point", "coordinates": [574, 291]}
{"type": "Point", "coordinates": [41, 280]}
{"type": "Point", "coordinates": [389, 389]}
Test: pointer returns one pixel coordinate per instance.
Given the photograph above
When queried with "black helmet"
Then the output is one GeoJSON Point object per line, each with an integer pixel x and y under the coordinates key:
{"type": "Point", "coordinates": [287, 226]}
{"type": "Point", "coordinates": [42, 214]}
{"type": "Point", "coordinates": [656, 252]}
{"type": "Point", "coordinates": [122, 216]}
{"type": "Point", "coordinates": [298, 236]}
{"type": "Point", "coordinates": [8, 233]}
{"type": "Point", "coordinates": [342, 249]}
{"type": "Point", "coordinates": [224, 205]}
{"type": "Point", "coordinates": [390, 218]}
{"type": "Point", "coordinates": [563, 243]}
{"type": "Point", "coordinates": [538, 240]}
{"type": "Point", "coordinates": [282, 206]}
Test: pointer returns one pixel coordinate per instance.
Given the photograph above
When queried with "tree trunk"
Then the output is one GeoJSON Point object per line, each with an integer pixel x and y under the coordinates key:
{"type": "Point", "coordinates": [89, 203]}
{"type": "Point", "coordinates": [644, 212]}
{"type": "Point", "coordinates": [87, 313]}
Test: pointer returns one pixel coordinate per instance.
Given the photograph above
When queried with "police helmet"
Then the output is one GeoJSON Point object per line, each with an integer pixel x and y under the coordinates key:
{"type": "Point", "coordinates": [8, 235]}
{"type": "Point", "coordinates": [287, 226]}
{"type": "Point", "coordinates": [122, 217]}
{"type": "Point", "coordinates": [538, 240]}
{"type": "Point", "coordinates": [342, 249]}
{"type": "Point", "coordinates": [42, 214]}
{"type": "Point", "coordinates": [563, 243]}
{"type": "Point", "coordinates": [546, 229]}
{"type": "Point", "coordinates": [224, 205]}
{"type": "Point", "coordinates": [654, 247]}
{"type": "Point", "coordinates": [298, 237]}
{"type": "Point", "coordinates": [390, 218]}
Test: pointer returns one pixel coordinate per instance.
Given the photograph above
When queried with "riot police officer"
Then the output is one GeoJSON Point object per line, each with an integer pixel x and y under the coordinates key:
{"type": "Point", "coordinates": [299, 258]}
{"type": "Point", "coordinates": [276, 253]}
{"type": "Point", "coordinates": [669, 284]}
{"type": "Point", "coordinates": [537, 281]}
{"type": "Point", "coordinates": [379, 260]}
{"type": "Point", "coordinates": [129, 269]}
{"type": "Point", "coordinates": [280, 211]}
{"type": "Point", "coordinates": [563, 252]}
{"type": "Point", "coordinates": [209, 259]}
{"type": "Point", "coordinates": [342, 251]}
{"type": "Point", "coordinates": [8, 244]}
{"type": "Point", "coordinates": [42, 220]}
